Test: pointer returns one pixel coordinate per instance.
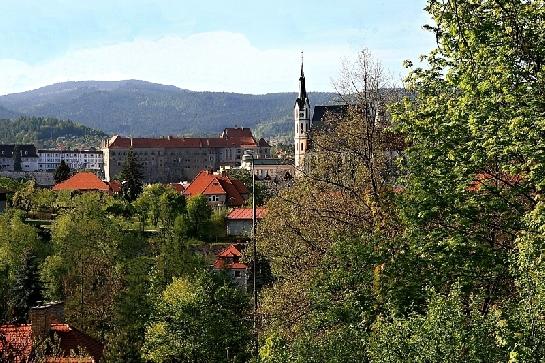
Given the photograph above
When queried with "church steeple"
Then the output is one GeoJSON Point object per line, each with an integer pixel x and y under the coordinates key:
{"type": "Point", "coordinates": [303, 98]}
{"type": "Point", "coordinates": [301, 114]}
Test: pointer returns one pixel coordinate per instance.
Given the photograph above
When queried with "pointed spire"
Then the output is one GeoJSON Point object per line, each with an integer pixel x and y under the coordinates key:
{"type": "Point", "coordinates": [302, 73]}
{"type": "Point", "coordinates": [302, 88]}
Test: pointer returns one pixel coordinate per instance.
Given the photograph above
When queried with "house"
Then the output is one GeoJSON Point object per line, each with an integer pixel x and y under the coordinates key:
{"type": "Point", "coordinates": [86, 182]}
{"type": "Point", "coordinates": [228, 260]}
{"type": "Point", "coordinates": [24, 155]}
{"type": "Point", "coordinates": [169, 159]}
{"type": "Point", "coordinates": [239, 221]}
{"type": "Point", "coordinates": [219, 189]}
{"type": "Point", "coordinates": [47, 321]}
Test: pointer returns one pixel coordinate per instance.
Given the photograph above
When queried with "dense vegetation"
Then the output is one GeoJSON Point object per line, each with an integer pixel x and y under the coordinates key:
{"type": "Point", "coordinates": [49, 133]}
{"type": "Point", "coordinates": [130, 274]}
{"type": "Point", "coordinates": [440, 258]}
{"type": "Point", "coordinates": [140, 108]}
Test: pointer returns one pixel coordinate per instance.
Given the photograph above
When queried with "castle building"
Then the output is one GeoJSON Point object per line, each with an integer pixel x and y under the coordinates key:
{"type": "Point", "coordinates": [174, 159]}
{"type": "Point", "coordinates": [301, 113]}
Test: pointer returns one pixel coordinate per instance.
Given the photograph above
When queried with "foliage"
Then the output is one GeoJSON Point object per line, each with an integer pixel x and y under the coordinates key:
{"type": "Point", "coordinates": [198, 216]}
{"type": "Point", "coordinates": [21, 249]}
{"type": "Point", "coordinates": [17, 158]}
{"type": "Point", "coordinates": [62, 172]}
{"type": "Point", "coordinates": [199, 320]}
{"type": "Point", "coordinates": [131, 177]}
{"type": "Point", "coordinates": [49, 132]}
{"type": "Point", "coordinates": [83, 264]}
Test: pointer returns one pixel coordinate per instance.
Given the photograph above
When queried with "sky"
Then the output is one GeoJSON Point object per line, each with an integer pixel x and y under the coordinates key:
{"type": "Point", "coordinates": [213, 45]}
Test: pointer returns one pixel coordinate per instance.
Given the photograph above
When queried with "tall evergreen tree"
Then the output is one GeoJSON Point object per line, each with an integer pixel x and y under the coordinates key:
{"type": "Point", "coordinates": [131, 177]}
{"type": "Point", "coordinates": [62, 173]}
{"type": "Point", "coordinates": [17, 158]}
{"type": "Point", "coordinates": [27, 289]}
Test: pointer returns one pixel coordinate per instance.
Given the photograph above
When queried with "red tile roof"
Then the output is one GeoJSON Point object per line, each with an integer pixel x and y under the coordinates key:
{"type": "Point", "coordinates": [224, 265]}
{"type": "Point", "coordinates": [207, 183]}
{"type": "Point", "coordinates": [230, 251]}
{"type": "Point", "coordinates": [83, 181]}
{"type": "Point", "coordinates": [178, 187]}
{"type": "Point", "coordinates": [246, 213]}
{"type": "Point", "coordinates": [228, 259]}
{"type": "Point", "coordinates": [16, 343]}
{"type": "Point", "coordinates": [231, 137]}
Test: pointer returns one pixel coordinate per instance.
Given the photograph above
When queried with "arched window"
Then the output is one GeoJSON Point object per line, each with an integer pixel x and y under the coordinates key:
{"type": "Point", "coordinates": [301, 127]}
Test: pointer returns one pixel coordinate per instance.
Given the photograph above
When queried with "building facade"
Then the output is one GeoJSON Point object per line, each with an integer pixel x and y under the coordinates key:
{"type": "Point", "coordinates": [269, 169]}
{"type": "Point", "coordinates": [174, 159]}
{"type": "Point", "coordinates": [49, 160]}
{"type": "Point", "coordinates": [24, 155]}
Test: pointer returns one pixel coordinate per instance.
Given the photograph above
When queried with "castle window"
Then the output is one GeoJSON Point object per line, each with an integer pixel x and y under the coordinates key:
{"type": "Point", "coordinates": [302, 148]}
{"type": "Point", "coordinates": [301, 127]}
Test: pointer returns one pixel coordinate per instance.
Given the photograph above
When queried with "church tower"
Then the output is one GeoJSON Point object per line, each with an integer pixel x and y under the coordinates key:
{"type": "Point", "coordinates": [301, 113]}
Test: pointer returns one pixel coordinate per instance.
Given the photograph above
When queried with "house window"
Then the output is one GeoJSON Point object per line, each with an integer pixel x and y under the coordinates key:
{"type": "Point", "coordinates": [237, 273]}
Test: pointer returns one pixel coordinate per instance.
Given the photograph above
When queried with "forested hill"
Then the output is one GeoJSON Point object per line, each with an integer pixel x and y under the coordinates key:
{"type": "Point", "coordinates": [141, 108]}
{"type": "Point", "coordinates": [49, 132]}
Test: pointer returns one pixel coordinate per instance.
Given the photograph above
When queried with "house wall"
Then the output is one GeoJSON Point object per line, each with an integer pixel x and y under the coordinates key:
{"type": "Point", "coordinates": [239, 227]}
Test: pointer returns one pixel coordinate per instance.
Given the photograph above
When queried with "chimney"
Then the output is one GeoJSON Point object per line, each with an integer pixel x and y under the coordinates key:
{"type": "Point", "coordinates": [41, 318]}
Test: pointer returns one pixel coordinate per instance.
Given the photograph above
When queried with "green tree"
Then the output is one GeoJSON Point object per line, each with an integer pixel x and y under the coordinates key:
{"type": "Point", "coordinates": [198, 216]}
{"type": "Point", "coordinates": [82, 269]}
{"type": "Point", "coordinates": [131, 177]}
{"type": "Point", "coordinates": [26, 291]}
{"type": "Point", "coordinates": [62, 172]}
{"type": "Point", "coordinates": [199, 319]}
{"type": "Point", "coordinates": [17, 158]}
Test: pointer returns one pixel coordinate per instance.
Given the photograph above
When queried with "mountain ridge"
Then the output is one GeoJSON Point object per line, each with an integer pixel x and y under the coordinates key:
{"type": "Point", "coordinates": [140, 108]}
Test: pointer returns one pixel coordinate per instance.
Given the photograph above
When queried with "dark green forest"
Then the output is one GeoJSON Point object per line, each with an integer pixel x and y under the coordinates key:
{"type": "Point", "coordinates": [141, 108]}
{"type": "Point", "coordinates": [49, 133]}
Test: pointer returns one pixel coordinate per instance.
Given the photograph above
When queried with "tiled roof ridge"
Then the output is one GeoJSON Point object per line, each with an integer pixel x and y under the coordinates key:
{"type": "Point", "coordinates": [214, 178]}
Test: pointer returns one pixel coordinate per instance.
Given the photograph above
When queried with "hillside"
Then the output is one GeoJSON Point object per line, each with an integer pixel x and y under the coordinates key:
{"type": "Point", "coordinates": [142, 109]}
{"type": "Point", "coordinates": [49, 132]}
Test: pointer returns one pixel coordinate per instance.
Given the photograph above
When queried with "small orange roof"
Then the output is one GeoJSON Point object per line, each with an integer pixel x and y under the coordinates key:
{"type": "Point", "coordinates": [83, 181]}
{"type": "Point", "coordinates": [246, 213]}
{"type": "Point", "coordinates": [222, 264]}
{"type": "Point", "coordinates": [230, 251]}
{"type": "Point", "coordinates": [207, 183]}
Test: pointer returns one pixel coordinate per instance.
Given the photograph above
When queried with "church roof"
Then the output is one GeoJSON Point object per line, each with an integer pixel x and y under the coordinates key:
{"type": "Point", "coordinates": [320, 112]}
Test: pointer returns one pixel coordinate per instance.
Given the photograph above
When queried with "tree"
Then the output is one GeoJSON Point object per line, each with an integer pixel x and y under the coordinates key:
{"type": "Point", "coordinates": [199, 319]}
{"type": "Point", "coordinates": [17, 158]}
{"type": "Point", "coordinates": [131, 177]}
{"type": "Point", "coordinates": [198, 215]}
{"type": "Point", "coordinates": [26, 291]}
{"type": "Point", "coordinates": [328, 236]}
{"type": "Point", "coordinates": [62, 172]}
{"type": "Point", "coordinates": [473, 171]}
{"type": "Point", "coordinates": [82, 270]}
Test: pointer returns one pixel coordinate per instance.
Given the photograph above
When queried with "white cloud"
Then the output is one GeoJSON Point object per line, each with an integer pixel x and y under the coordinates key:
{"type": "Point", "coordinates": [217, 61]}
